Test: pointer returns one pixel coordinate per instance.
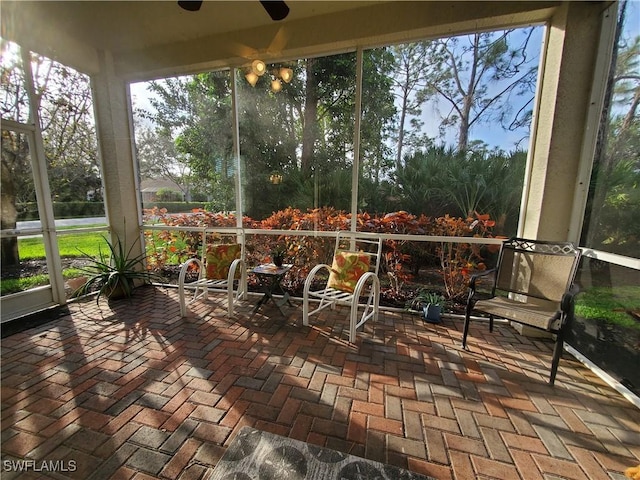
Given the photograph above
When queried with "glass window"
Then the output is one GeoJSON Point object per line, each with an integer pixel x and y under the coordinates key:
{"type": "Point", "coordinates": [612, 220]}
{"type": "Point", "coordinates": [607, 325]}
{"type": "Point", "coordinates": [184, 142]}
{"type": "Point", "coordinates": [15, 101]}
{"type": "Point", "coordinates": [69, 138]}
{"type": "Point", "coordinates": [446, 124]}
{"type": "Point", "coordinates": [296, 141]}
{"type": "Point", "coordinates": [67, 127]}
{"type": "Point", "coordinates": [75, 248]}
{"type": "Point", "coordinates": [23, 260]}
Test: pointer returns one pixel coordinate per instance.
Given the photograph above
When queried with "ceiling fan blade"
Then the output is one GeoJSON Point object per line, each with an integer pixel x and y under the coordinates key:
{"type": "Point", "coordinates": [190, 5]}
{"type": "Point", "coordinates": [279, 42]}
{"type": "Point", "coordinates": [277, 9]}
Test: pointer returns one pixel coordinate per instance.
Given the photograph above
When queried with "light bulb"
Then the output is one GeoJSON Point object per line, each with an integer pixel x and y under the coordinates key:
{"type": "Point", "coordinates": [276, 85]}
{"type": "Point", "coordinates": [286, 74]}
{"type": "Point", "coordinates": [252, 78]}
{"type": "Point", "coordinates": [258, 67]}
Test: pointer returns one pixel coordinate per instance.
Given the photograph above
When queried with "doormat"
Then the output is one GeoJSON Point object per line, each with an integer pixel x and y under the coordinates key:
{"type": "Point", "coordinates": [258, 455]}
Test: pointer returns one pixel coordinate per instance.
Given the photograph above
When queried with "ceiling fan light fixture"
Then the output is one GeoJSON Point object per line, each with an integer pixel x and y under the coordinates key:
{"type": "Point", "coordinates": [258, 67]}
{"type": "Point", "coordinates": [276, 85]}
{"type": "Point", "coordinates": [286, 74]}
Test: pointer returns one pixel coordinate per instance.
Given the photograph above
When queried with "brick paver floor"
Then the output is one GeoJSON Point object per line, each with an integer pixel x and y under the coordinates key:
{"type": "Point", "coordinates": [132, 390]}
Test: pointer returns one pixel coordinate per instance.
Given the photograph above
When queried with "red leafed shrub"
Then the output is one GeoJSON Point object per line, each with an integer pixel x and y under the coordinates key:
{"type": "Point", "coordinates": [401, 258]}
{"type": "Point", "coordinates": [459, 260]}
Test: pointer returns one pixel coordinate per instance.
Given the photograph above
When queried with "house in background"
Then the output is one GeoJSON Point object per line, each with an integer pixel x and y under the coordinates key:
{"type": "Point", "coordinates": [161, 190]}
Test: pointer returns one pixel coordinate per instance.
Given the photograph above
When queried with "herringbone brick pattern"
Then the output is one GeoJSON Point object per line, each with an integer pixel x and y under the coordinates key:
{"type": "Point", "coordinates": [134, 391]}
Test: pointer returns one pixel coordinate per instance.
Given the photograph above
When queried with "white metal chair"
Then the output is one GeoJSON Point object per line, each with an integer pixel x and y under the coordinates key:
{"type": "Point", "coordinates": [221, 269]}
{"type": "Point", "coordinates": [353, 280]}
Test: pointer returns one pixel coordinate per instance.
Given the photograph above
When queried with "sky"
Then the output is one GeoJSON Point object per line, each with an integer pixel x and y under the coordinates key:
{"type": "Point", "coordinates": [492, 134]}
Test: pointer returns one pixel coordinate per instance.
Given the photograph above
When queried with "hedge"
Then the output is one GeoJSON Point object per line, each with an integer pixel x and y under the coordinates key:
{"type": "Point", "coordinates": [174, 207]}
{"type": "Point", "coordinates": [29, 211]}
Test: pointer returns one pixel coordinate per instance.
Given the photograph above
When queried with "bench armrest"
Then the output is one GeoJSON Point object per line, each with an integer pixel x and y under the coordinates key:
{"type": "Point", "coordinates": [476, 276]}
{"type": "Point", "coordinates": [471, 300]}
{"type": "Point", "coordinates": [568, 299]}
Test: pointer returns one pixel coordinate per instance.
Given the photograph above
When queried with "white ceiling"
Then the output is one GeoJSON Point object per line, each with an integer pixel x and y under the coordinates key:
{"type": "Point", "coordinates": [126, 25]}
{"type": "Point", "coordinates": [147, 39]}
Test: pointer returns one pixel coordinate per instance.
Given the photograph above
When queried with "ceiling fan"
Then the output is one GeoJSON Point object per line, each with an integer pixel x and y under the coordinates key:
{"type": "Point", "coordinates": [277, 9]}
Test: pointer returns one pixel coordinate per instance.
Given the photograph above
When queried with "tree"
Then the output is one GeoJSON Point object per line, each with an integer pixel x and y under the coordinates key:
{"type": "Point", "coordinates": [615, 178]}
{"type": "Point", "coordinates": [192, 142]}
{"type": "Point", "coordinates": [475, 75]}
{"type": "Point", "coordinates": [376, 127]}
{"type": "Point", "coordinates": [63, 101]}
{"type": "Point", "coordinates": [410, 86]}
{"type": "Point", "coordinates": [15, 158]}
{"type": "Point", "coordinates": [16, 178]}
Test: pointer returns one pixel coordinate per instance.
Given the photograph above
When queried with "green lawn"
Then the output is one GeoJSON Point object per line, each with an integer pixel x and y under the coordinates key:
{"type": "Point", "coordinates": [612, 305]}
{"type": "Point", "coordinates": [70, 246]}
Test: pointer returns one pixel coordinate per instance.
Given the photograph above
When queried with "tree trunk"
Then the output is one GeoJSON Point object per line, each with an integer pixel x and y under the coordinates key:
{"type": "Point", "coordinates": [463, 131]}
{"type": "Point", "coordinates": [468, 98]}
{"type": "Point", "coordinates": [403, 116]}
{"type": "Point", "coordinates": [309, 132]}
{"type": "Point", "coordinates": [9, 256]}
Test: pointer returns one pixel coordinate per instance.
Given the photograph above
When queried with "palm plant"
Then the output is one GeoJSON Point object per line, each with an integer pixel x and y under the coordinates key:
{"type": "Point", "coordinates": [113, 273]}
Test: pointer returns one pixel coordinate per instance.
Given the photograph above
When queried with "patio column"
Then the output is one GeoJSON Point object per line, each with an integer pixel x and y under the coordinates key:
{"type": "Point", "coordinates": [116, 147]}
{"type": "Point", "coordinates": [562, 134]}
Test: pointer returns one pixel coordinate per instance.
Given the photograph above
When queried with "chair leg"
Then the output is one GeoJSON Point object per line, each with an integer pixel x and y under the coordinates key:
{"type": "Point", "coordinates": [467, 320]}
{"type": "Point", "coordinates": [557, 354]}
{"type": "Point", "coordinates": [353, 319]}
{"type": "Point", "coordinates": [183, 306]}
{"type": "Point", "coordinates": [305, 310]}
{"type": "Point", "coordinates": [490, 323]}
{"type": "Point", "coordinates": [230, 301]}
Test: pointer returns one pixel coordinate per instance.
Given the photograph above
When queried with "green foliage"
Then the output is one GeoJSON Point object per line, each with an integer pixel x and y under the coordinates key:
{"type": "Point", "coordinates": [76, 209]}
{"type": "Point", "coordinates": [613, 206]}
{"type": "Point", "coordinates": [457, 260]}
{"type": "Point", "coordinates": [113, 273]}
{"type": "Point", "coordinates": [174, 207]}
{"type": "Point", "coordinates": [168, 195]}
{"type": "Point", "coordinates": [425, 297]}
{"type": "Point", "coordinates": [421, 181]}
{"type": "Point", "coordinates": [442, 181]}
{"type": "Point", "coordinates": [617, 305]}
{"type": "Point", "coordinates": [14, 285]}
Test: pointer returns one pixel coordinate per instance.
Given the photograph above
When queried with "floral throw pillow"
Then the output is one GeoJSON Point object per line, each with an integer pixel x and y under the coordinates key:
{"type": "Point", "coordinates": [219, 259]}
{"type": "Point", "coordinates": [346, 270]}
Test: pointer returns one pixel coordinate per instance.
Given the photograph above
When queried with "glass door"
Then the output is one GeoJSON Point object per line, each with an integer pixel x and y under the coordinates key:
{"type": "Point", "coordinates": [27, 268]}
{"type": "Point", "coordinates": [51, 188]}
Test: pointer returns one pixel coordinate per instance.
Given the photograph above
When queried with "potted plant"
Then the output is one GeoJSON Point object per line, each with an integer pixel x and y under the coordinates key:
{"type": "Point", "coordinates": [277, 254]}
{"type": "Point", "coordinates": [114, 273]}
{"type": "Point", "coordinates": [430, 304]}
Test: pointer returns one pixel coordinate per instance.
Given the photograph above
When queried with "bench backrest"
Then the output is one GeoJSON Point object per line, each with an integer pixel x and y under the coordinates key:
{"type": "Point", "coordinates": [537, 268]}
